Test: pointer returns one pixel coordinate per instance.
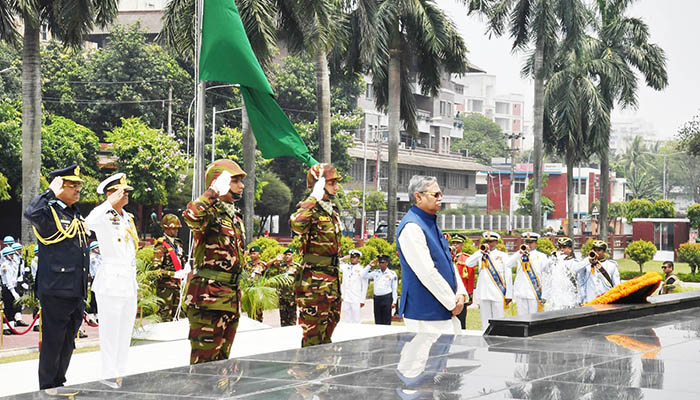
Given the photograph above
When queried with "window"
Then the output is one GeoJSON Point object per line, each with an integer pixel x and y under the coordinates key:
{"type": "Point", "coordinates": [368, 91]}
{"type": "Point", "coordinates": [44, 32]}
{"type": "Point", "coordinates": [443, 107]}
{"type": "Point", "coordinates": [459, 89]}
{"type": "Point", "coordinates": [481, 188]}
{"type": "Point", "coordinates": [580, 186]}
{"type": "Point", "coordinates": [519, 185]}
{"type": "Point", "coordinates": [502, 108]}
{"type": "Point", "coordinates": [476, 105]}
{"type": "Point", "coordinates": [516, 109]}
{"type": "Point", "coordinates": [449, 109]}
{"type": "Point", "coordinates": [504, 123]}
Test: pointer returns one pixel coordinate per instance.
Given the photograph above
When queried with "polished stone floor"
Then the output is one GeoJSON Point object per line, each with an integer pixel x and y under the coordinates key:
{"type": "Point", "coordinates": [654, 357]}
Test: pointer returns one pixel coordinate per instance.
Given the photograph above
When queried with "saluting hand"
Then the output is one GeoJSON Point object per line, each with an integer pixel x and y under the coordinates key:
{"type": "Point", "coordinates": [56, 186]}
{"type": "Point", "coordinates": [116, 197]}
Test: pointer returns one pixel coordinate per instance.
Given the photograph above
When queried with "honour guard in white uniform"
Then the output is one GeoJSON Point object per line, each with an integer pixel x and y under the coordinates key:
{"type": "Point", "coordinates": [386, 285]}
{"type": "Point", "coordinates": [600, 274]}
{"type": "Point", "coordinates": [353, 288]}
{"type": "Point", "coordinates": [115, 282]}
{"type": "Point", "coordinates": [532, 272]}
{"type": "Point", "coordinates": [563, 287]}
{"type": "Point", "coordinates": [495, 284]}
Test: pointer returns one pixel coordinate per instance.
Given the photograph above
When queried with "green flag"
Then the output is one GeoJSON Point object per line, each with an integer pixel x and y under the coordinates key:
{"type": "Point", "coordinates": [226, 56]}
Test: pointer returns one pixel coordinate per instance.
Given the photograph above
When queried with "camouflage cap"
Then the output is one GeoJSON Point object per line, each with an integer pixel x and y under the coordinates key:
{"type": "Point", "coordinates": [170, 221]}
{"type": "Point", "coordinates": [327, 171]}
{"type": "Point", "coordinates": [217, 167]}
{"type": "Point", "coordinates": [565, 242]}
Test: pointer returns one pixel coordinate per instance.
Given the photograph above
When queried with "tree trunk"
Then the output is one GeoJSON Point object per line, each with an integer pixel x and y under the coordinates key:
{"type": "Point", "coordinates": [537, 150]}
{"type": "Point", "coordinates": [249, 181]}
{"type": "Point", "coordinates": [323, 105]}
{"type": "Point", "coordinates": [394, 129]}
{"type": "Point", "coordinates": [31, 119]}
{"type": "Point", "coordinates": [570, 193]}
{"type": "Point", "coordinates": [604, 192]}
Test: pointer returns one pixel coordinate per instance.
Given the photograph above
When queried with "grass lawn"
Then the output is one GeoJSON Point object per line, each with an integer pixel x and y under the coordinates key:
{"type": "Point", "coordinates": [625, 264]}
{"type": "Point", "coordinates": [35, 355]}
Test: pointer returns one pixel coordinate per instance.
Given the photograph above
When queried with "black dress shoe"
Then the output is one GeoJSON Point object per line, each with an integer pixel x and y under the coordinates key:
{"type": "Point", "coordinates": [82, 334]}
{"type": "Point", "coordinates": [36, 328]}
{"type": "Point", "coordinates": [7, 332]}
{"type": "Point", "coordinates": [21, 323]}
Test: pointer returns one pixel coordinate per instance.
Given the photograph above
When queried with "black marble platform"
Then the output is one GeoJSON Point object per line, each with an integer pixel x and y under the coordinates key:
{"type": "Point", "coordinates": [651, 357]}
{"type": "Point", "coordinates": [554, 321]}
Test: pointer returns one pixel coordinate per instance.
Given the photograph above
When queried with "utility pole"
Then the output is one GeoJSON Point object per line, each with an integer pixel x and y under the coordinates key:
{"type": "Point", "coordinates": [170, 110]}
{"type": "Point", "coordinates": [513, 149]}
{"type": "Point", "coordinates": [364, 183]}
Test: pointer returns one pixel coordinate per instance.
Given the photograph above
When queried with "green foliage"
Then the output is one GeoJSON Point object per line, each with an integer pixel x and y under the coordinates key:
{"type": "Point", "coordinates": [640, 251]}
{"type": "Point", "coordinates": [482, 137]}
{"type": "Point", "coordinates": [587, 247]}
{"type": "Point", "coordinates": [545, 245]}
{"type": "Point", "coordinates": [11, 144]}
{"type": "Point", "coordinates": [64, 142]}
{"type": "Point", "coordinates": [264, 243]}
{"type": "Point", "coordinates": [639, 208]}
{"type": "Point", "coordinates": [374, 200]}
{"type": "Point", "coordinates": [147, 300]}
{"type": "Point", "coordinates": [229, 144]}
{"type": "Point", "coordinates": [11, 78]}
{"type": "Point", "coordinates": [693, 215]}
{"type": "Point", "coordinates": [689, 136]}
{"type": "Point", "coordinates": [275, 198]}
{"type": "Point", "coordinates": [151, 160]}
{"type": "Point", "coordinates": [369, 253]}
{"type": "Point", "coordinates": [260, 293]}
{"type": "Point", "coordinates": [468, 247]}
{"type": "Point", "coordinates": [690, 253]}
{"type": "Point", "coordinates": [525, 201]}
{"type": "Point", "coordinates": [4, 188]}
{"type": "Point", "coordinates": [615, 208]}
{"type": "Point", "coordinates": [664, 209]}
{"type": "Point", "coordinates": [346, 244]}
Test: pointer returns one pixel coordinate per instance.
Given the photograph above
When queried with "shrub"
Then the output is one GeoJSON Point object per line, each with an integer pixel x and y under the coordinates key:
{"type": "Point", "coordinates": [640, 251]}
{"type": "Point", "coordinates": [664, 209]}
{"type": "Point", "coordinates": [639, 208]}
{"type": "Point", "coordinates": [545, 245]}
{"type": "Point", "coordinates": [690, 253]}
{"type": "Point", "coordinates": [694, 216]}
{"type": "Point", "coordinates": [264, 243]}
{"type": "Point", "coordinates": [346, 244]}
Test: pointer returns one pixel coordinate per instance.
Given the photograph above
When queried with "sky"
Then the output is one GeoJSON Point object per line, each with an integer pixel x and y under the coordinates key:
{"type": "Point", "coordinates": [673, 25]}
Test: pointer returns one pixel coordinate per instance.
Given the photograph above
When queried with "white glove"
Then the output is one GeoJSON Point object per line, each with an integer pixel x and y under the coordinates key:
{"type": "Point", "coordinates": [20, 278]}
{"type": "Point", "coordinates": [222, 183]}
{"type": "Point", "coordinates": [25, 286]}
{"type": "Point", "coordinates": [319, 188]}
{"type": "Point", "coordinates": [181, 274]}
{"type": "Point", "coordinates": [14, 294]}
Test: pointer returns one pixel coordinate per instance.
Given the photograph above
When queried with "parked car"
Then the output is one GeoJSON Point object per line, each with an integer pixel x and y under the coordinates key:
{"type": "Point", "coordinates": [382, 231]}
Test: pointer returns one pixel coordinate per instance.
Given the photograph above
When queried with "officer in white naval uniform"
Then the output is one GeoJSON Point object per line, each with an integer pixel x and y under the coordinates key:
{"type": "Point", "coordinates": [353, 288]}
{"type": "Point", "coordinates": [524, 293]}
{"type": "Point", "coordinates": [600, 273]}
{"type": "Point", "coordinates": [491, 299]}
{"type": "Point", "coordinates": [115, 284]}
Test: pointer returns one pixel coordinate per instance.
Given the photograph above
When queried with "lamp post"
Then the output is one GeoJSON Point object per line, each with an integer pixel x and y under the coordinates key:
{"type": "Point", "coordinates": [213, 127]}
{"type": "Point", "coordinates": [513, 149]}
{"type": "Point", "coordinates": [663, 176]}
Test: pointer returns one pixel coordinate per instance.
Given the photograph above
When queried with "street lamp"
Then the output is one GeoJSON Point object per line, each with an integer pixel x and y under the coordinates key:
{"type": "Point", "coordinates": [663, 176]}
{"type": "Point", "coordinates": [513, 149]}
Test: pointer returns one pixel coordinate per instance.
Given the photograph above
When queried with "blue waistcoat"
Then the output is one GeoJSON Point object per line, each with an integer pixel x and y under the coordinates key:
{"type": "Point", "coordinates": [416, 301]}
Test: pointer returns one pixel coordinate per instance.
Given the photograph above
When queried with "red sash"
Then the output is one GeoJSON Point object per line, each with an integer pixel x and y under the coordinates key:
{"type": "Point", "coordinates": [466, 273]}
{"type": "Point", "coordinates": [173, 255]}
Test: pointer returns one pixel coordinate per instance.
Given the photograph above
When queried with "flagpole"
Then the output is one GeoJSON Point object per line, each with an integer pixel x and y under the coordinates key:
{"type": "Point", "coordinates": [199, 161]}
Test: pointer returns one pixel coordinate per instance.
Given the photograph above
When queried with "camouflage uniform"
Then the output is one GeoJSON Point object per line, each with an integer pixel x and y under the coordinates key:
{"type": "Point", "coordinates": [167, 286]}
{"type": "Point", "coordinates": [287, 300]}
{"type": "Point", "coordinates": [317, 288]}
{"type": "Point", "coordinates": [212, 299]}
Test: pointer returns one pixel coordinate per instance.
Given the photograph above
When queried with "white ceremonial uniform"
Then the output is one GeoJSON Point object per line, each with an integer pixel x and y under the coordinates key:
{"type": "Point", "coordinates": [34, 266]}
{"type": "Point", "coordinates": [524, 293]}
{"type": "Point", "coordinates": [417, 254]}
{"type": "Point", "coordinates": [384, 283]}
{"type": "Point", "coordinates": [594, 283]}
{"type": "Point", "coordinates": [95, 263]}
{"type": "Point", "coordinates": [8, 272]}
{"type": "Point", "coordinates": [487, 294]}
{"type": "Point", "coordinates": [114, 286]}
{"type": "Point", "coordinates": [353, 289]}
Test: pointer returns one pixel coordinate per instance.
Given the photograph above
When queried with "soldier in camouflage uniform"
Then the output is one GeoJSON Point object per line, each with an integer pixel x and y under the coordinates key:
{"type": "Point", "coordinates": [318, 288]}
{"type": "Point", "coordinates": [284, 264]}
{"type": "Point", "coordinates": [212, 299]}
{"type": "Point", "coordinates": [256, 267]}
{"type": "Point", "coordinates": [168, 258]}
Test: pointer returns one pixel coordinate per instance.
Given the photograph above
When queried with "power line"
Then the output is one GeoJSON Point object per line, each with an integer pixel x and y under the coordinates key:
{"type": "Point", "coordinates": [86, 101]}
{"type": "Point", "coordinates": [116, 82]}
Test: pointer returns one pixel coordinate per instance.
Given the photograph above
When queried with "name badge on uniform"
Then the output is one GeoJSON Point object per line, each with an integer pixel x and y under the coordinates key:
{"type": "Point", "coordinates": [324, 218]}
{"type": "Point", "coordinates": [226, 223]}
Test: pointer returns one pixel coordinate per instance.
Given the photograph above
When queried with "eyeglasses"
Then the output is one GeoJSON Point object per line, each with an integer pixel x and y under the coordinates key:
{"type": "Point", "coordinates": [666, 266]}
{"type": "Point", "coordinates": [75, 185]}
{"type": "Point", "coordinates": [437, 195]}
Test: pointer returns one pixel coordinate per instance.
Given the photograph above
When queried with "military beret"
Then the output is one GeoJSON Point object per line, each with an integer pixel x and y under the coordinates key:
{"type": "Point", "coordinates": [290, 249]}
{"type": "Point", "coordinates": [255, 249]}
{"type": "Point", "coordinates": [71, 173]}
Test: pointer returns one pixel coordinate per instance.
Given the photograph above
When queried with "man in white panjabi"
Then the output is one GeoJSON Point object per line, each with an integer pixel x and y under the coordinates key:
{"type": "Point", "coordinates": [494, 288]}
{"type": "Point", "coordinates": [115, 283]}
{"type": "Point", "coordinates": [353, 288]}
{"type": "Point", "coordinates": [531, 274]}
{"type": "Point", "coordinates": [432, 292]}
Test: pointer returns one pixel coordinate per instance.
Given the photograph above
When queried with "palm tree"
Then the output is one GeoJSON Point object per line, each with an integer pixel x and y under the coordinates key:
{"type": "Point", "coordinates": [68, 21]}
{"type": "Point", "coordinates": [575, 109]}
{"type": "Point", "coordinates": [625, 43]}
{"type": "Point", "coordinates": [538, 22]}
{"type": "Point", "coordinates": [411, 39]}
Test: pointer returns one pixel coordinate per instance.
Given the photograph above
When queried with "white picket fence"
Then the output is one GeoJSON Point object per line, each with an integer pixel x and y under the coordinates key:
{"type": "Point", "coordinates": [483, 222]}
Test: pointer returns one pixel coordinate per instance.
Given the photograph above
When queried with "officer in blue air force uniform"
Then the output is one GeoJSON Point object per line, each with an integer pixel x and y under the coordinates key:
{"type": "Point", "coordinates": [62, 271]}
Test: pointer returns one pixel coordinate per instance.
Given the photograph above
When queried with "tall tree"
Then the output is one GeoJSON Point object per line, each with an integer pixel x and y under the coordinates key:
{"type": "Point", "coordinates": [412, 39]}
{"type": "Point", "coordinates": [482, 137]}
{"type": "Point", "coordinates": [625, 43]}
{"type": "Point", "coordinates": [575, 108]}
{"type": "Point", "coordinates": [68, 21]}
{"type": "Point", "coordinates": [539, 23]}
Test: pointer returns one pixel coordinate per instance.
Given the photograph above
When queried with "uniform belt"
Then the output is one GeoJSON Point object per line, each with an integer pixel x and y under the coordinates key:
{"type": "Point", "coordinates": [321, 261]}
{"type": "Point", "coordinates": [225, 277]}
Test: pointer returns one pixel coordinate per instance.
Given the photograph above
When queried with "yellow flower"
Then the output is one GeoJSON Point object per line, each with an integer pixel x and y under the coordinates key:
{"type": "Point", "coordinates": [627, 288]}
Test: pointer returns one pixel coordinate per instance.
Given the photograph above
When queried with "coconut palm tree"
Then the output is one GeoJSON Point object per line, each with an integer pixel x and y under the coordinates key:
{"type": "Point", "coordinates": [625, 43]}
{"type": "Point", "coordinates": [68, 21]}
{"type": "Point", "coordinates": [410, 40]}
{"type": "Point", "coordinates": [538, 23]}
{"type": "Point", "coordinates": [575, 108]}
